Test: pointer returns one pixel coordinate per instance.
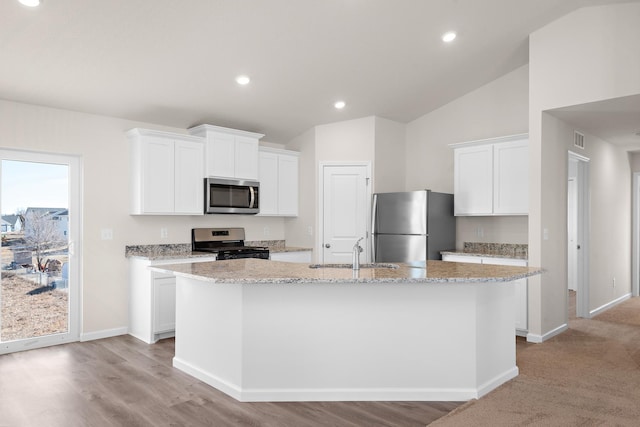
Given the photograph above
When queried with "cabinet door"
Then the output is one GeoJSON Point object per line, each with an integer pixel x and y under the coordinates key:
{"type": "Point", "coordinates": [288, 185]}
{"type": "Point", "coordinates": [246, 158]}
{"type": "Point", "coordinates": [268, 183]}
{"type": "Point", "coordinates": [522, 304]}
{"type": "Point", "coordinates": [220, 155]}
{"type": "Point", "coordinates": [157, 175]}
{"type": "Point", "coordinates": [189, 177]}
{"type": "Point", "coordinates": [164, 307]}
{"type": "Point", "coordinates": [473, 181]}
{"type": "Point", "coordinates": [511, 178]}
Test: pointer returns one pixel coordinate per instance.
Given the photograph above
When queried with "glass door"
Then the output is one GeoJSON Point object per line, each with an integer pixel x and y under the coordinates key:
{"type": "Point", "coordinates": [39, 199]}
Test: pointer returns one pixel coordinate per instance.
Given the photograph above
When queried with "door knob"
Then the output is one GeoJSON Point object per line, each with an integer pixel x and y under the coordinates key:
{"type": "Point", "coordinates": [327, 245]}
{"type": "Point", "coordinates": [578, 246]}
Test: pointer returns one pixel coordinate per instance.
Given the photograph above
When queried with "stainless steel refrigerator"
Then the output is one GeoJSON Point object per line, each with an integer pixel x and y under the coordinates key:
{"type": "Point", "coordinates": [412, 226]}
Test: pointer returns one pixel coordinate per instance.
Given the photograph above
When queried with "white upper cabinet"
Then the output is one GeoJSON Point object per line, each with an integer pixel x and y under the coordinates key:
{"type": "Point", "coordinates": [166, 173]}
{"type": "Point", "coordinates": [492, 177]}
{"type": "Point", "coordinates": [268, 174]}
{"type": "Point", "coordinates": [229, 153]}
{"type": "Point", "coordinates": [511, 178]}
{"type": "Point", "coordinates": [288, 184]}
{"type": "Point", "coordinates": [473, 180]}
{"type": "Point", "coordinates": [278, 176]}
{"type": "Point", "coordinates": [189, 181]}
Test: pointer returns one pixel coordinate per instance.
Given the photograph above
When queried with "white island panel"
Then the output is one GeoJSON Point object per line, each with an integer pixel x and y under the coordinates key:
{"type": "Point", "coordinates": [346, 341]}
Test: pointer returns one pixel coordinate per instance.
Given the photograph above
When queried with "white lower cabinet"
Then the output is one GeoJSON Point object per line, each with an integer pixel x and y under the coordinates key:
{"type": "Point", "coordinates": [520, 285]}
{"type": "Point", "coordinates": [152, 299]}
{"type": "Point", "coordinates": [164, 303]}
{"type": "Point", "coordinates": [296, 256]}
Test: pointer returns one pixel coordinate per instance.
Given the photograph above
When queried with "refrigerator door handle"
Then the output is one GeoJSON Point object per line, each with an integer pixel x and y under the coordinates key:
{"type": "Point", "coordinates": [374, 209]}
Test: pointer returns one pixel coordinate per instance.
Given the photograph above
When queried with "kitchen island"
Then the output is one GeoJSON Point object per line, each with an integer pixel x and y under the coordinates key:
{"type": "Point", "coordinates": [263, 330]}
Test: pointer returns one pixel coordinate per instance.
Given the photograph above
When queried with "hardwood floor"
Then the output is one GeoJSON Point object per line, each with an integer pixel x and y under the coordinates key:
{"type": "Point", "coordinates": [121, 381]}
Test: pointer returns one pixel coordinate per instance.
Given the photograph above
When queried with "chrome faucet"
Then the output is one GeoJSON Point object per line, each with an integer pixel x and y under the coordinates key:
{"type": "Point", "coordinates": [356, 254]}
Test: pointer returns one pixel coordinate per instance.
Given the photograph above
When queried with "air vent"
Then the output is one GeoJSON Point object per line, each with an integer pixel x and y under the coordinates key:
{"type": "Point", "coordinates": [578, 139]}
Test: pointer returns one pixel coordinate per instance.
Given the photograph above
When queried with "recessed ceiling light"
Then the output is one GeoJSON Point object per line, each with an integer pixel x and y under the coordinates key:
{"type": "Point", "coordinates": [243, 80]}
{"type": "Point", "coordinates": [340, 105]}
{"type": "Point", "coordinates": [448, 36]}
{"type": "Point", "coordinates": [30, 3]}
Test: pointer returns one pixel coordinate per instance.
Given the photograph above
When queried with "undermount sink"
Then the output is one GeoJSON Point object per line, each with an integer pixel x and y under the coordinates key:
{"type": "Point", "coordinates": [374, 265]}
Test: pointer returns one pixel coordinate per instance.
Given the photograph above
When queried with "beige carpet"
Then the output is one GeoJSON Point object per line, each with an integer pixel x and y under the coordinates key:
{"type": "Point", "coordinates": [586, 376]}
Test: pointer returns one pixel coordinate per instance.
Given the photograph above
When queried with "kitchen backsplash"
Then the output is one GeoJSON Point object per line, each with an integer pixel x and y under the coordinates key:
{"type": "Point", "coordinates": [506, 249]}
{"type": "Point", "coordinates": [275, 244]}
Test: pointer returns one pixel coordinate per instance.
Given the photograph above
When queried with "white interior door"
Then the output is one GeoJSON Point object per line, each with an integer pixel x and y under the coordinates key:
{"type": "Point", "coordinates": [578, 272]}
{"type": "Point", "coordinates": [39, 292]}
{"type": "Point", "coordinates": [572, 225]}
{"type": "Point", "coordinates": [345, 211]}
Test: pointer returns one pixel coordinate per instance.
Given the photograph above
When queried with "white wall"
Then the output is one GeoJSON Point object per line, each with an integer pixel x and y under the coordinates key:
{"type": "Point", "coordinates": [350, 140]}
{"type": "Point", "coordinates": [586, 56]}
{"type": "Point", "coordinates": [389, 172]}
{"type": "Point", "coordinates": [103, 148]}
{"type": "Point", "coordinates": [497, 109]}
{"type": "Point", "coordinates": [368, 139]}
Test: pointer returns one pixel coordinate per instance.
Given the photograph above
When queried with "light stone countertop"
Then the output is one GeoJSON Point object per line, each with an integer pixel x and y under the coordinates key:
{"type": "Point", "coordinates": [484, 255]}
{"type": "Point", "coordinates": [256, 271]}
{"type": "Point", "coordinates": [280, 249]}
{"type": "Point", "coordinates": [183, 250]}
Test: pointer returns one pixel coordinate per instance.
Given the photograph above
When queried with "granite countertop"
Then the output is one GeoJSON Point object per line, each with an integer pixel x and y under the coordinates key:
{"type": "Point", "coordinates": [279, 249]}
{"type": "Point", "coordinates": [492, 250]}
{"type": "Point", "coordinates": [255, 271]}
{"type": "Point", "coordinates": [164, 252]}
{"type": "Point", "coordinates": [183, 250]}
{"type": "Point", "coordinates": [484, 255]}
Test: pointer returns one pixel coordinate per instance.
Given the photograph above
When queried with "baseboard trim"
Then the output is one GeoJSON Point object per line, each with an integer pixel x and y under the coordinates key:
{"type": "Point", "coordinates": [609, 305]}
{"type": "Point", "coordinates": [497, 381]}
{"type": "Point", "coordinates": [105, 333]}
{"type": "Point", "coordinates": [343, 394]}
{"type": "Point", "coordinates": [534, 338]}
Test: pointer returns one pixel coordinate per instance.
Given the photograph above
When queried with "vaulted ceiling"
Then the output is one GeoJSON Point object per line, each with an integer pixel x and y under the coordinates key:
{"type": "Point", "coordinates": [174, 63]}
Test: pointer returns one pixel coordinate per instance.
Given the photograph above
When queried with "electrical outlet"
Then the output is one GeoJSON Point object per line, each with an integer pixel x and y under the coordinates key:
{"type": "Point", "coordinates": [266, 231]}
{"type": "Point", "coordinates": [310, 230]}
{"type": "Point", "coordinates": [164, 233]}
{"type": "Point", "coordinates": [545, 234]}
{"type": "Point", "coordinates": [614, 282]}
{"type": "Point", "coordinates": [106, 234]}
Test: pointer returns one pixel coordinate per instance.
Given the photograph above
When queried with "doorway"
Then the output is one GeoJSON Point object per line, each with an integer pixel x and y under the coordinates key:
{"type": "Point", "coordinates": [344, 211]}
{"type": "Point", "coordinates": [635, 253]}
{"type": "Point", "coordinates": [578, 234]}
{"type": "Point", "coordinates": [39, 280]}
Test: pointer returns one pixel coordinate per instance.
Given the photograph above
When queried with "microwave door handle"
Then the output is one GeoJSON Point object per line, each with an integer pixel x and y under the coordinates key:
{"type": "Point", "coordinates": [252, 197]}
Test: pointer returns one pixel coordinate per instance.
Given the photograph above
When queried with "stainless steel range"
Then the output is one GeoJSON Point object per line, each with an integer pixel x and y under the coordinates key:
{"type": "Point", "coordinates": [227, 243]}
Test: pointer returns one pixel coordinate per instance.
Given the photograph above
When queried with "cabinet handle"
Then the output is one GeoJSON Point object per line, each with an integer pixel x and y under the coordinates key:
{"type": "Point", "coordinates": [327, 245]}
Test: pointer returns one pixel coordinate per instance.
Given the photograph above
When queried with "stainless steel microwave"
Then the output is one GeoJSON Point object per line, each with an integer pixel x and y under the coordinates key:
{"type": "Point", "coordinates": [231, 196]}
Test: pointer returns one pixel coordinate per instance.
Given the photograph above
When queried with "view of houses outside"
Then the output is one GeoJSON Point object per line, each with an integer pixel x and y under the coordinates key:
{"type": "Point", "coordinates": [34, 250]}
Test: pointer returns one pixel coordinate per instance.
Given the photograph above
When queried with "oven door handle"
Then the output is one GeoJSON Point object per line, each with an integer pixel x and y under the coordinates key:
{"type": "Point", "coordinates": [252, 197]}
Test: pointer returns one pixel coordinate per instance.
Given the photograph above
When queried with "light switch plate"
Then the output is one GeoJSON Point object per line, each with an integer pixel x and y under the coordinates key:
{"type": "Point", "coordinates": [106, 234]}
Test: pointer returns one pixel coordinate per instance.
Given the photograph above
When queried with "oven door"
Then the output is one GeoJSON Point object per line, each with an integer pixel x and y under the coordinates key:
{"type": "Point", "coordinates": [231, 196]}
